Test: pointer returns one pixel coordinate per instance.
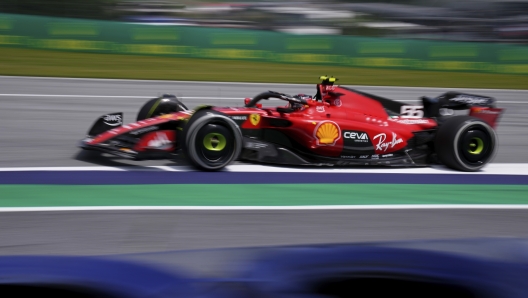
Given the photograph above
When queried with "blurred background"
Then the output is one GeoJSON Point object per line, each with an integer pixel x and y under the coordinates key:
{"type": "Point", "coordinates": [270, 41]}
{"type": "Point", "coordinates": [473, 20]}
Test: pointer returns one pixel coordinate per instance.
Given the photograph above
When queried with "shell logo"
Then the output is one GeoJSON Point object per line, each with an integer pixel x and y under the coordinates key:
{"type": "Point", "coordinates": [327, 133]}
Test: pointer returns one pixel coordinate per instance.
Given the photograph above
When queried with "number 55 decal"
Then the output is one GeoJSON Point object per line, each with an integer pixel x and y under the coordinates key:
{"type": "Point", "coordinates": [411, 112]}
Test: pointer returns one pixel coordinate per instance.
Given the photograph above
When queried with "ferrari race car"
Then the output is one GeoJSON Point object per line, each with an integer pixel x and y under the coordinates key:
{"type": "Point", "coordinates": [338, 126]}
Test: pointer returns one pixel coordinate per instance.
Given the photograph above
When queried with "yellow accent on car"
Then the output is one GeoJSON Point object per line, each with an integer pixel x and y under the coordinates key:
{"type": "Point", "coordinates": [328, 79]}
{"type": "Point", "coordinates": [255, 119]}
{"type": "Point", "coordinates": [153, 108]}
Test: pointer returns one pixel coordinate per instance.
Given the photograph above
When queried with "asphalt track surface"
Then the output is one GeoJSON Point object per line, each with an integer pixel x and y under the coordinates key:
{"type": "Point", "coordinates": [41, 120]}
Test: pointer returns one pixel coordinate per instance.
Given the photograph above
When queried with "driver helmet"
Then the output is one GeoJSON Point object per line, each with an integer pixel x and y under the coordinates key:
{"type": "Point", "coordinates": [300, 96]}
{"type": "Point", "coordinates": [303, 96]}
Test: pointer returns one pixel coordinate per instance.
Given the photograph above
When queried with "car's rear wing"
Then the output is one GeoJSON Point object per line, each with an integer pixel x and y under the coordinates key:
{"type": "Point", "coordinates": [455, 101]}
{"type": "Point", "coordinates": [479, 106]}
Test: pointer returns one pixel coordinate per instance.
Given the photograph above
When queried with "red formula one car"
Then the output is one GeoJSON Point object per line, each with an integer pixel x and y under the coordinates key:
{"type": "Point", "coordinates": [338, 126]}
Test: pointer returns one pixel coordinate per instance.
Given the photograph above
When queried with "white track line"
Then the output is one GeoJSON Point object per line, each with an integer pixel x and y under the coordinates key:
{"type": "Point", "coordinates": [491, 169]}
{"type": "Point", "coordinates": [112, 96]}
{"type": "Point", "coordinates": [182, 97]}
{"type": "Point", "coordinates": [264, 208]}
{"type": "Point", "coordinates": [66, 95]}
{"type": "Point", "coordinates": [251, 83]}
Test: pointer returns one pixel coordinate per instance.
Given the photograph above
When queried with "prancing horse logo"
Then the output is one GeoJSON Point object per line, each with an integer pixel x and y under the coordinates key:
{"type": "Point", "coordinates": [255, 119]}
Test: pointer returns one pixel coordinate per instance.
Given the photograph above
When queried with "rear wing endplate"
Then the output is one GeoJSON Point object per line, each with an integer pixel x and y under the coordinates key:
{"type": "Point", "coordinates": [489, 115]}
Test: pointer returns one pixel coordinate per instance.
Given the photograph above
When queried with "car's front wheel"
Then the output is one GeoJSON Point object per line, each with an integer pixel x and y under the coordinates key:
{"type": "Point", "coordinates": [465, 143]}
{"type": "Point", "coordinates": [212, 140]}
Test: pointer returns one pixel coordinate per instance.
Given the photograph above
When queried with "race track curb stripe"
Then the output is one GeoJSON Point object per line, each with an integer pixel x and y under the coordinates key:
{"type": "Point", "coordinates": [239, 178]}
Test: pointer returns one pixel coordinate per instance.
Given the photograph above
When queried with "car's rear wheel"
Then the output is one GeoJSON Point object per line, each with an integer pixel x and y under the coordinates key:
{"type": "Point", "coordinates": [212, 140]}
{"type": "Point", "coordinates": [465, 143]}
{"type": "Point", "coordinates": [165, 104]}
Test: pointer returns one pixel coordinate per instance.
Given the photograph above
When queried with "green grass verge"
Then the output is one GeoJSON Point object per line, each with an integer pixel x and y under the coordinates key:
{"type": "Point", "coordinates": [29, 62]}
{"type": "Point", "coordinates": [258, 194]}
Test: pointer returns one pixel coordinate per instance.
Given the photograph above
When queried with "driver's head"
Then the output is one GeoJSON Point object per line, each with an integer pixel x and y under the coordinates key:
{"type": "Point", "coordinates": [304, 97]}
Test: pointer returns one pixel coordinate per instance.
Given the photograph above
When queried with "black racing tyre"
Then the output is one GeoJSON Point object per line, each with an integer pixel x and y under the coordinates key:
{"type": "Point", "coordinates": [160, 106]}
{"type": "Point", "coordinates": [211, 140]}
{"type": "Point", "coordinates": [465, 143]}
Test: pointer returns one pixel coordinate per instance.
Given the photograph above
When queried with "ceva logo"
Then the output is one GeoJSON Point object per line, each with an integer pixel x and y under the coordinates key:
{"type": "Point", "coordinates": [356, 135]}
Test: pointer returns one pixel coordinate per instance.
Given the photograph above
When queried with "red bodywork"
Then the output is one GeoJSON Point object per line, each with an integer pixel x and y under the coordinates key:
{"type": "Point", "coordinates": [338, 123]}
{"type": "Point", "coordinates": [321, 126]}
